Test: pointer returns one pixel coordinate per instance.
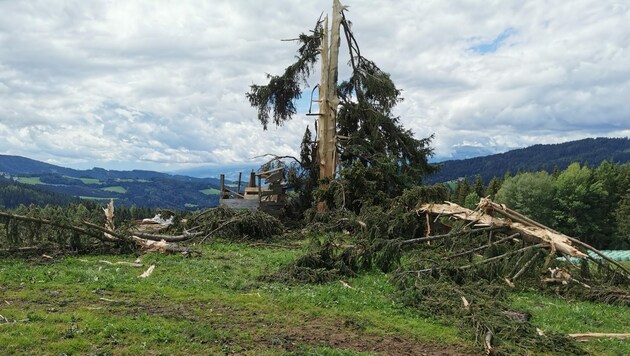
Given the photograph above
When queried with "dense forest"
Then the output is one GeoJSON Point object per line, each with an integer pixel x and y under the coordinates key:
{"type": "Point", "coordinates": [591, 151]}
{"type": "Point", "coordinates": [590, 203]}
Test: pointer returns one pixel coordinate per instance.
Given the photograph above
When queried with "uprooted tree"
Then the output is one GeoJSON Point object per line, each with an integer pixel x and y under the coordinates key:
{"type": "Point", "coordinates": [360, 143]}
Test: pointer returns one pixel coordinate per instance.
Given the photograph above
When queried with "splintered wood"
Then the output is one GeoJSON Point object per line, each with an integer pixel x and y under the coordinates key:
{"type": "Point", "coordinates": [516, 223]}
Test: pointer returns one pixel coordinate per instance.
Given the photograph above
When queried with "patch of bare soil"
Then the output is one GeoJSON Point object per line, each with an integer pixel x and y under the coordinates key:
{"type": "Point", "coordinates": [291, 334]}
{"type": "Point", "coordinates": [339, 335]}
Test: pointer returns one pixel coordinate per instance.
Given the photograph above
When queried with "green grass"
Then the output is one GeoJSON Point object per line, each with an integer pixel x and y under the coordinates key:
{"type": "Point", "coordinates": [90, 181]}
{"type": "Point", "coordinates": [203, 305]}
{"type": "Point", "coordinates": [210, 191]}
{"type": "Point", "coordinates": [30, 180]}
{"type": "Point", "coordinates": [217, 304]}
{"type": "Point", "coordinates": [132, 180]}
{"type": "Point", "coordinates": [569, 317]}
{"type": "Point", "coordinates": [115, 189]}
{"type": "Point", "coordinates": [86, 180]}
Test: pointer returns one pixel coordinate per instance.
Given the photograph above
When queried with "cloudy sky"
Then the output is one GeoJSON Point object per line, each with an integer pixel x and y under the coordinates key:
{"type": "Point", "coordinates": [161, 84]}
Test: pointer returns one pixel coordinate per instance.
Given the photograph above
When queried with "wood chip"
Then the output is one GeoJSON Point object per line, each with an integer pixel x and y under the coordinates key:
{"type": "Point", "coordinates": [148, 272]}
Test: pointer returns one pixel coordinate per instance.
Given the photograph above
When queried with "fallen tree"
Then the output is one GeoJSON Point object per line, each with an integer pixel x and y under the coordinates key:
{"type": "Point", "coordinates": [496, 216]}
{"type": "Point", "coordinates": [461, 264]}
{"type": "Point", "coordinates": [148, 235]}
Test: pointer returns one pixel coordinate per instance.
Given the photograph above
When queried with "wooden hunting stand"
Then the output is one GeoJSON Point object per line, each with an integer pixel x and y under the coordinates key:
{"type": "Point", "coordinates": [270, 199]}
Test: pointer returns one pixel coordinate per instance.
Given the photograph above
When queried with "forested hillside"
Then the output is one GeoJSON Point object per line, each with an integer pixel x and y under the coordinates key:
{"type": "Point", "coordinates": [590, 203]}
{"type": "Point", "coordinates": [591, 151]}
{"type": "Point", "coordinates": [130, 188]}
{"type": "Point", "coordinates": [12, 194]}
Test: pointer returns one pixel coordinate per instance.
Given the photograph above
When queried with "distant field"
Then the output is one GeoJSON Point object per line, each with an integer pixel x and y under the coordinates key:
{"type": "Point", "coordinates": [115, 189]}
{"type": "Point", "coordinates": [210, 191]}
{"type": "Point", "coordinates": [30, 180]}
{"type": "Point", "coordinates": [90, 181]}
{"type": "Point", "coordinates": [86, 180]}
{"type": "Point", "coordinates": [132, 180]}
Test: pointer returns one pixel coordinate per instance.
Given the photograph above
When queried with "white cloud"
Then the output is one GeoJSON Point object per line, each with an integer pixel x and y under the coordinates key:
{"type": "Point", "coordinates": [161, 84]}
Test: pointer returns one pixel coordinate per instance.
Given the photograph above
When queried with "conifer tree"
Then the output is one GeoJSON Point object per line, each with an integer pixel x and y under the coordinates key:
{"type": "Point", "coordinates": [369, 138]}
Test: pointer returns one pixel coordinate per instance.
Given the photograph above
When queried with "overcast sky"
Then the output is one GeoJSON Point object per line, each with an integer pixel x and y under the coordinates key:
{"type": "Point", "coordinates": [161, 84]}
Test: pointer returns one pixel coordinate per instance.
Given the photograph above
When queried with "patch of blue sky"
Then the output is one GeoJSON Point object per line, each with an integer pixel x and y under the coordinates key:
{"type": "Point", "coordinates": [493, 46]}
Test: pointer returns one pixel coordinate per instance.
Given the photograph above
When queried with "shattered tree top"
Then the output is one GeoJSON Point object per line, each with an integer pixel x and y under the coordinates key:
{"type": "Point", "coordinates": [529, 229]}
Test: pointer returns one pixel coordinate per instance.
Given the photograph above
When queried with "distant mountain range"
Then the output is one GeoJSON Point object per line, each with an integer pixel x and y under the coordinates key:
{"type": "Point", "coordinates": [22, 180]}
{"type": "Point", "coordinates": [137, 187]}
{"type": "Point", "coordinates": [591, 151]}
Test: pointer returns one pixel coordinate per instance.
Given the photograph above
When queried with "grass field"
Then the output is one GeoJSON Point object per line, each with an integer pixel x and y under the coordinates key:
{"type": "Point", "coordinates": [30, 180]}
{"type": "Point", "coordinates": [115, 189]}
{"type": "Point", "coordinates": [210, 191]}
{"type": "Point", "coordinates": [132, 180]}
{"type": "Point", "coordinates": [216, 304]}
{"type": "Point", "coordinates": [86, 180]}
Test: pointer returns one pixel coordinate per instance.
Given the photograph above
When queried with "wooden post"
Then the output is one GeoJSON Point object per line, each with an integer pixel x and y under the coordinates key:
{"type": "Point", "coordinates": [238, 187]}
{"type": "Point", "coordinates": [222, 184]}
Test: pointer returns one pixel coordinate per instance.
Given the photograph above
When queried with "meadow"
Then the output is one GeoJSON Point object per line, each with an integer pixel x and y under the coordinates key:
{"type": "Point", "coordinates": [217, 303]}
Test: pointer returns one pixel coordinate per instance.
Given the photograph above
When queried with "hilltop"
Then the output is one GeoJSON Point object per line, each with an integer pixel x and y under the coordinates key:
{"type": "Point", "coordinates": [591, 151]}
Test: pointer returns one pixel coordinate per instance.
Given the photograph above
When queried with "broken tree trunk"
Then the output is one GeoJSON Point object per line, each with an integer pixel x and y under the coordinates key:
{"type": "Point", "coordinates": [516, 223]}
{"type": "Point", "coordinates": [479, 217]}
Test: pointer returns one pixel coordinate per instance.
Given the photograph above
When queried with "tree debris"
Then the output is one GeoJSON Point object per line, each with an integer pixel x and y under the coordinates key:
{"type": "Point", "coordinates": [590, 336]}
{"type": "Point", "coordinates": [148, 272]}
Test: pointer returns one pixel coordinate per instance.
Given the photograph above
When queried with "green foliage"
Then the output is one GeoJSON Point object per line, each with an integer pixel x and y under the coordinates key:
{"type": "Point", "coordinates": [378, 158]}
{"type": "Point", "coordinates": [377, 231]}
{"type": "Point", "coordinates": [552, 314]}
{"type": "Point", "coordinates": [478, 186]}
{"type": "Point", "coordinates": [237, 225]}
{"type": "Point", "coordinates": [622, 218]}
{"type": "Point", "coordinates": [49, 238]}
{"type": "Point", "coordinates": [390, 154]}
{"type": "Point", "coordinates": [493, 187]}
{"type": "Point", "coordinates": [471, 201]}
{"type": "Point", "coordinates": [281, 91]}
{"type": "Point", "coordinates": [578, 201]}
{"type": "Point", "coordinates": [579, 205]}
{"type": "Point", "coordinates": [531, 194]}
{"type": "Point", "coordinates": [303, 179]}
{"type": "Point", "coordinates": [489, 311]}
{"type": "Point", "coordinates": [462, 189]}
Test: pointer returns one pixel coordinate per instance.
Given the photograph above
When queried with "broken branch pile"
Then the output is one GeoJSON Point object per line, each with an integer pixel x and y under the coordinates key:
{"type": "Point", "coordinates": [461, 264]}
{"type": "Point", "coordinates": [39, 232]}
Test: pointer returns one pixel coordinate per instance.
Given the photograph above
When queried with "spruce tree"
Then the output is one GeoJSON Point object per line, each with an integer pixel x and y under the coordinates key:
{"type": "Point", "coordinates": [375, 152]}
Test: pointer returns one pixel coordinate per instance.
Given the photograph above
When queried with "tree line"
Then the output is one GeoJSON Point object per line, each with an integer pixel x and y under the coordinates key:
{"type": "Point", "coordinates": [592, 204]}
{"type": "Point", "coordinates": [16, 234]}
